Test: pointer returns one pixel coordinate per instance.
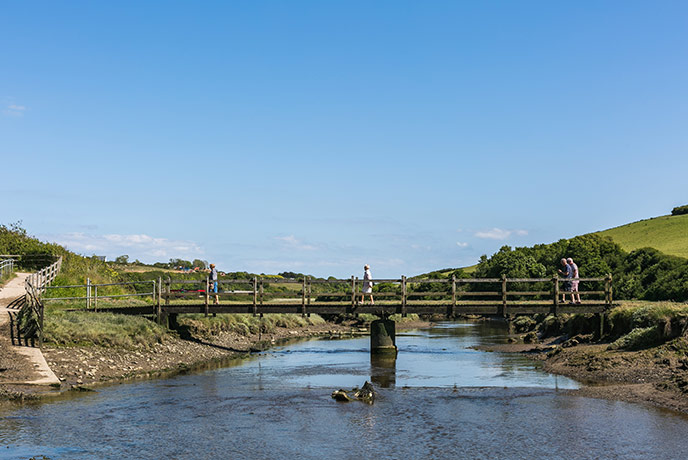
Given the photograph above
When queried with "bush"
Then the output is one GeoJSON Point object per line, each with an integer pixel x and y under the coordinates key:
{"type": "Point", "coordinates": [677, 211]}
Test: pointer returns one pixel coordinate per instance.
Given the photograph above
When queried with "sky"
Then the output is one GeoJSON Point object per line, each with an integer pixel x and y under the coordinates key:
{"type": "Point", "coordinates": [316, 137]}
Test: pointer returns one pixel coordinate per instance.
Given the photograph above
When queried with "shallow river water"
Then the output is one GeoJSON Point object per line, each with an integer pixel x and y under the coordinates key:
{"type": "Point", "coordinates": [439, 399]}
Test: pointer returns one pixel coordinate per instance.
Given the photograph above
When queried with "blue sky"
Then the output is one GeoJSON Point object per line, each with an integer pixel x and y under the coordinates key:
{"type": "Point", "coordinates": [318, 136]}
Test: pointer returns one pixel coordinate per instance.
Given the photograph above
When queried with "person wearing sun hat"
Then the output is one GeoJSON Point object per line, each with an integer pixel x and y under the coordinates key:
{"type": "Point", "coordinates": [367, 287]}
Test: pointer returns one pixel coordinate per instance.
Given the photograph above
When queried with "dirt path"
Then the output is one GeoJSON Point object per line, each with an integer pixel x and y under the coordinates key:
{"type": "Point", "coordinates": [19, 365]}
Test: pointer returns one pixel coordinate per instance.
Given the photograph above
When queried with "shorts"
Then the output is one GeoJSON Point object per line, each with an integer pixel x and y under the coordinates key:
{"type": "Point", "coordinates": [215, 286]}
{"type": "Point", "coordinates": [574, 286]}
{"type": "Point", "coordinates": [567, 286]}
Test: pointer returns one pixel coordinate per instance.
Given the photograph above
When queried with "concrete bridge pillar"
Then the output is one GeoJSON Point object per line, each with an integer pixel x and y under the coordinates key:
{"type": "Point", "coordinates": [382, 337]}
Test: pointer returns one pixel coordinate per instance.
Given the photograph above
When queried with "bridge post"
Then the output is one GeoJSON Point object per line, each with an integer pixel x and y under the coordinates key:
{"type": "Point", "coordinates": [255, 295]}
{"type": "Point", "coordinates": [451, 311]}
{"type": "Point", "coordinates": [207, 294]}
{"type": "Point", "coordinates": [303, 297]}
{"type": "Point", "coordinates": [503, 312]}
{"type": "Point", "coordinates": [158, 309]}
{"type": "Point", "coordinates": [555, 303]}
{"type": "Point", "coordinates": [350, 309]}
{"type": "Point", "coordinates": [608, 290]}
{"type": "Point", "coordinates": [403, 295]}
{"type": "Point", "coordinates": [383, 337]}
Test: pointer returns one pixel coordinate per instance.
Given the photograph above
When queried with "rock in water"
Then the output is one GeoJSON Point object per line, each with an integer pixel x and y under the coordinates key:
{"type": "Point", "coordinates": [341, 395]}
{"type": "Point", "coordinates": [365, 394]}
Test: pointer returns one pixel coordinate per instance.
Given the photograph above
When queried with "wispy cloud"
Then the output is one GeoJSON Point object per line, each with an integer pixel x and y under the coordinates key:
{"type": "Point", "coordinates": [137, 246]}
{"type": "Point", "coordinates": [499, 233]}
{"type": "Point", "coordinates": [14, 110]}
{"type": "Point", "coordinates": [294, 243]}
{"type": "Point", "coordinates": [462, 244]}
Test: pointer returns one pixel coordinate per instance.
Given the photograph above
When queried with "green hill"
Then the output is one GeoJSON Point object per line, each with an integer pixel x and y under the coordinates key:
{"type": "Point", "coordinates": [668, 234]}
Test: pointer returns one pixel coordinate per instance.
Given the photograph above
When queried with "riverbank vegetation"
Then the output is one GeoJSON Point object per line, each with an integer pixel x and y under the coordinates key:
{"type": "Point", "coordinates": [631, 326]}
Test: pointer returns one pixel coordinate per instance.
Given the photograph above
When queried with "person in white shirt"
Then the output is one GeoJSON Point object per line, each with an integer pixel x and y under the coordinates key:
{"type": "Point", "coordinates": [367, 287]}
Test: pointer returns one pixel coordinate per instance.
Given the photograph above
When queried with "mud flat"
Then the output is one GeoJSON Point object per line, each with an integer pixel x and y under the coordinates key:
{"type": "Point", "coordinates": [656, 376]}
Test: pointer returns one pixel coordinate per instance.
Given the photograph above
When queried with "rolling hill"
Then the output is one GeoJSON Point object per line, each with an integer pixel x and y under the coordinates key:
{"type": "Point", "coordinates": [668, 234]}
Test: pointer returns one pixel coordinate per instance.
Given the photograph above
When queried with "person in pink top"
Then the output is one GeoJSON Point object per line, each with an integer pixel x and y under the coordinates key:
{"type": "Point", "coordinates": [575, 295]}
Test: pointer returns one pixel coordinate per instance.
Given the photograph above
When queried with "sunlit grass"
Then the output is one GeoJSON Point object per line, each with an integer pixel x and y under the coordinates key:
{"type": "Point", "coordinates": [668, 234]}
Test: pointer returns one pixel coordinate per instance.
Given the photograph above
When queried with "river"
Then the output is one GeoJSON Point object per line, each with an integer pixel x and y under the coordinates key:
{"type": "Point", "coordinates": [439, 399]}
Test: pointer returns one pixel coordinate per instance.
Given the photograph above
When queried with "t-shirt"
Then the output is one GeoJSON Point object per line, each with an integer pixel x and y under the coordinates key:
{"type": "Point", "coordinates": [569, 271]}
{"type": "Point", "coordinates": [213, 274]}
{"type": "Point", "coordinates": [574, 270]}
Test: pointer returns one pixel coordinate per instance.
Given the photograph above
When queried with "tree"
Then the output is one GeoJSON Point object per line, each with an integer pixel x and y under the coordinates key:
{"type": "Point", "coordinates": [122, 260]}
{"type": "Point", "coordinates": [200, 263]}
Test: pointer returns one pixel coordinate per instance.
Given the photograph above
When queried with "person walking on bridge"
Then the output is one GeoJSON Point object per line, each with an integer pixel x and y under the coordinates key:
{"type": "Point", "coordinates": [367, 285]}
{"type": "Point", "coordinates": [213, 280]}
{"type": "Point", "coordinates": [567, 273]}
{"type": "Point", "coordinates": [575, 295]}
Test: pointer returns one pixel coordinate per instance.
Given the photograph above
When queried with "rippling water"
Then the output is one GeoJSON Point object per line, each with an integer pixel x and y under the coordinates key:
{"type": "Point", "coordinates": [440, 399]}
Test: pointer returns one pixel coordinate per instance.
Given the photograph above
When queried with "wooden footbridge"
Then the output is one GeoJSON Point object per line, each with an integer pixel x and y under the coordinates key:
{"type": "Point", "coordinates": [451, 297]}
{"type": "Point", "coordinates": [448, 296]}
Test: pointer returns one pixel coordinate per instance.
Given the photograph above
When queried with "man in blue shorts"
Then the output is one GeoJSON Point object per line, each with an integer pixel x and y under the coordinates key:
{"type": "Point", "coordinates": [213, 281]}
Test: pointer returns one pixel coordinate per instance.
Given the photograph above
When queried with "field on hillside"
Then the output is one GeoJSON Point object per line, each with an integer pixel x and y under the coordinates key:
{"type": "Point", "coordinates": [668, 234]}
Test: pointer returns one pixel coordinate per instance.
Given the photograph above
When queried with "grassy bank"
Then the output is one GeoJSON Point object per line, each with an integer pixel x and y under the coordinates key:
{"type": "Point", "coordinates": [631, 326]}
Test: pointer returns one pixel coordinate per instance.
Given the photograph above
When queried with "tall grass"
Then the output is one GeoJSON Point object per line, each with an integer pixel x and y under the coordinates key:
{"type": "Point", "coordinates": [244, 324]}
{"type": "Point", "coordinates": [69, 328]}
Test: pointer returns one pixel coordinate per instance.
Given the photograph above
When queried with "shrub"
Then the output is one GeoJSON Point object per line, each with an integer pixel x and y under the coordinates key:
{"type": "Point", "coordinates": [677, 211]}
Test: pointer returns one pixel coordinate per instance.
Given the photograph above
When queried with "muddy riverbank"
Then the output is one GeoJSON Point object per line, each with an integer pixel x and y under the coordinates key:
{"type": "Point", "coordinates": [83, 368]}
{"type": "Point", "coordinates": [657, 376]}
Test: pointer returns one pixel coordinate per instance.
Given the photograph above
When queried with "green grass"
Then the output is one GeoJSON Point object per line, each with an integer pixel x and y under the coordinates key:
{"type": "Point", "coordinates": [668, 234]}
{"type": "Point", "coordinates": [68, 328]}
{"type": "Point", "coordinates": [245, 324]}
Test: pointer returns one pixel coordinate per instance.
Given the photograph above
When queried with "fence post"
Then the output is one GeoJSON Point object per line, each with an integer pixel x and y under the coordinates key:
{"type": "Point", "coordinates": [261, 291]}
{"type": "Point", "coordinates": [95, 299]}
{"type": "Point", "coordinates": [88, 293]}
{"type": "Point", "coordinates": [555, 289]}
{"type": "Point", "coordinates": [403, 295]}
{"type": "Point", "coordinates": [503, 312]}
{"type": "Point", "coordinates": [608, 290]}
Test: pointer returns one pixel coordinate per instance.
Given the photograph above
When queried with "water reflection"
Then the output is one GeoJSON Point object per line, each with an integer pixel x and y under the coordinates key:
{"type": "Point", "coordinates": [383, 370]}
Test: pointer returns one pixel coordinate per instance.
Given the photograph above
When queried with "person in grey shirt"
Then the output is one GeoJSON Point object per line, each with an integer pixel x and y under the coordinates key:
{"type": "Point", "coordinates": [213, 281]}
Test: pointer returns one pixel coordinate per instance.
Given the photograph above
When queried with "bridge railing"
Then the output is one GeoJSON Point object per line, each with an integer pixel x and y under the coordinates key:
{"type": "Point", "coordinates": [446, 295]}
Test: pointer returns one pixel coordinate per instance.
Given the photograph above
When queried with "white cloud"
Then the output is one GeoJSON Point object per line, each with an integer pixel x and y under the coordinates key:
{"type": "Point", "coordinates": [294, 243]}
{"type": "Point", "coordinates": [14, 110]}
{"type": "Point", "coordinates": [499, 233]}
{"type": "Point", "coordinates": [461, 244]}
{"type": "Point", "coordinates": [137, 246]}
